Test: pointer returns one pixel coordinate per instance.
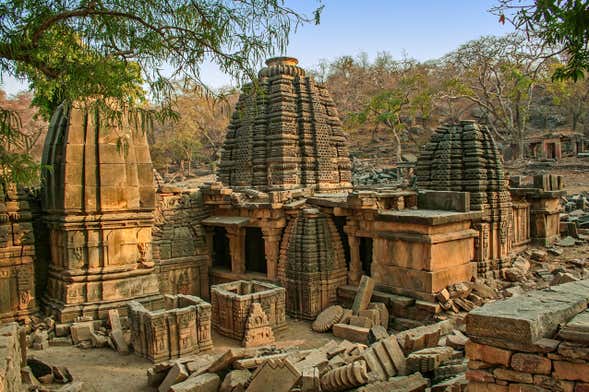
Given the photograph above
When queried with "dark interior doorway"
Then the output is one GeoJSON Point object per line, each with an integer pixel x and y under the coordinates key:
{"type": "Point", "coordinates": [255, 256]}
{"type": "Point", "coordinates": [221, 253]}
{"type": "Point", "coordinates": [366, 254]}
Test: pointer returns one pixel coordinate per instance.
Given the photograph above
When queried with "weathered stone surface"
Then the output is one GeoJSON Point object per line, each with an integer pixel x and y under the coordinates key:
{"type": "Point", "coordinates": [10, 358]}
{"type": "Point", "coordinates": [274, 375]}
{"type": "Point", "coordinates": [463, 157]}
{"type": "Point", "coordinates": [176, 374]}
{"type": "Point", "coordinates": [577, 329]}
{"type": "Point", "coordinates": [345, 377]}
{"type": "Point", "coordinates": [257, 328]}
{"type": "Point", "coordinates": [182, 328]}
{"type": "Point", "coordinates": [421, 337]}
{"type": "Point", "coordinates": [531, 363]}
{"type": "Point", "coordinates": [351, 332]}
{"type": "Point", "coordinates": [413, 383]}
{"type": "Point", "coordinates": [17, 255]}
{"type": "Point", "coordinates": [486, 387]}
{"type": "Point", "coordinates": [302, 115]}
{"type": "Point", "coordinates": [428, 359]}
{"type": "Point", "coordinates": [235, 381]}
{"type": "Point", "coordinates": [564, 370]}
{"type": "Point", "coordinates": [82, 331]}
{"type": "Point", "coordinates": [312, 263]}
{"type": "Point", "coordinates": [364, 294]}
{"type": "Point", "coordinates": [488, 354]}
{"type": "Point", "coordinates": [327, 318]}
{"type": "Point", "coordinates": [92, 181]}
{"type": "Point", "coordinates": [529, 317]}
{"type": "Point", "coordinates": [377, 333]}
{"type": "Point", "coordinates": [208, 382]}
{"type": "Point", "coordinates": [231, 303]}
{"type": "Point", "coordinates": [513, 376]}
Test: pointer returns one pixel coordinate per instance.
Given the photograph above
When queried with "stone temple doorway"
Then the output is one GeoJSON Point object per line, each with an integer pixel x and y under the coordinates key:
{"type": "Point", "coordinates": [221, 253]}
{"type": "Point", "coordinates": [366, 254]}
{"type": "Point", "coordinates": [255, 257]}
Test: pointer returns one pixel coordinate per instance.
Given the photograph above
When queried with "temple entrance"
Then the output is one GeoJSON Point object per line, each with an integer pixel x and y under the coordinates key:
{"type": "Point", "coordinates": [366, 254]}
{"type": "Point", "coordinates": [255, 255]}
{"type": "Point", "coordinates": [221, 252]}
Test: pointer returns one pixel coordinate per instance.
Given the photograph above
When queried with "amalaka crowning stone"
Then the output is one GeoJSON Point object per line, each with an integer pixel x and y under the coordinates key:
{"type": "Point", "coordinates": [285, 134]}
{"type": "Point", "coordinates": [98, 202]}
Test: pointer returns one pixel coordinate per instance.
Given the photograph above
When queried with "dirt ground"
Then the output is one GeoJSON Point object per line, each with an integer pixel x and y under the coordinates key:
{"type": "Point", "coordinates": [104, 370]}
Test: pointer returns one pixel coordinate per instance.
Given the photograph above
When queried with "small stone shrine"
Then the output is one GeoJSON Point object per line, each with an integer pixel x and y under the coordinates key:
{"type": "Point", "coordinates": [180, 327]}
{"type": "Point", "coordinates": [312, 264]}
{"type": "Point", "coordinates": [232, 303]}
{"type": "Point", "coordinates": [258, 331]}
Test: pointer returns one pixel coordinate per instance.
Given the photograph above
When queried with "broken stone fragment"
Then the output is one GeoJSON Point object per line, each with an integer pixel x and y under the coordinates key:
{"type": "Point", "coordinates": [119, 341]}
{"type": "Point", "coordinates": [207, 382]}
{"type": "Point", "coordinates": [235, 381]}
{"type": "Point", "coordinates": [364, 294]}
{"type": "Point", "coordinates": [81, 331]}
{"type": "Point", "coordinates": [176, 374]}
{"type": "Point", "coordinates": [275, 376]}
{"type": "Point", "coordinates": [327, 318]}
{"type": "Point", "coordinates": [351, 332]}
{"type": "Point", "coordinates": [377, 333]}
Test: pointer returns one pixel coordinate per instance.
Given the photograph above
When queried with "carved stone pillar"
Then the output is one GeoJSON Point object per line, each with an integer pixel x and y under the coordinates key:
{"type": "Point", "coordinates": [236, 237]}
{"type": "Point", "coordinates": [355, 272]}
{"type": "Point", "coordinates": [272, 250]}
{"type": "Point", "coordinates": [209, 234]}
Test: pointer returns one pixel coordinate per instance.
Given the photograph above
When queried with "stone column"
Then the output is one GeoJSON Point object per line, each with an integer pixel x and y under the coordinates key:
{"type": "Point", "coordinates": [236, 237]}
{"type": "Point", "coordinates": [355, 271]}
{"type": "Point", "coordinates": [209, 235]}
{"type": "Point", "coordinates": [272, 250]}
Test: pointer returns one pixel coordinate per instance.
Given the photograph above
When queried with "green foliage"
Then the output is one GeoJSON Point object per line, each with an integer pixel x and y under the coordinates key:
{"type": "Point", "coordinates": [108, 50]}
{"type": "Point", "coordinates": [562, 24]}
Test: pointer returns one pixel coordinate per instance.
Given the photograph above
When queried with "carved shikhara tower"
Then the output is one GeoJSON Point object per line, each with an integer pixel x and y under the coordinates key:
{"type": "Point", "coordinates": [463, 157]}
{"type": "Point", "coordinates": [98, 203]}
{"type": "Point", "coordinates": [285, 134]}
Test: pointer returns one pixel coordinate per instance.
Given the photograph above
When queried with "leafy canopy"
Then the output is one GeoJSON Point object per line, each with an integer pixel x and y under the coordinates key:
{"type": "Point", "coordinates": [562, 24]}
{"type": "Point", "coordinates": [110, 49]}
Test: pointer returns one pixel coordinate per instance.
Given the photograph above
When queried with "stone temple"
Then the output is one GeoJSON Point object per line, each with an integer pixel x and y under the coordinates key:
{"type": "Point", "coordinates": [282, 222]}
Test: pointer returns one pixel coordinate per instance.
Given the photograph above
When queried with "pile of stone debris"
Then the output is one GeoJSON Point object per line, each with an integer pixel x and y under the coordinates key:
{"type": "Point", "coordinates": [574, 221]}
{"type": "Point", "coordinates": [535, 268]}
{"type": "Point", "coordinates": [20, 372]}
{"type": "Point", "coordinates": [365, 173]}
{"type": "Point", "coordinates": [84, 333]}
{"type": "Point", "coordinates": [425, 357]}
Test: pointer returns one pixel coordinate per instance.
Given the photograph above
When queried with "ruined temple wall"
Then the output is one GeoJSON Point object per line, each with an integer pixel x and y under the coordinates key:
{"type": "Point", "coordinates": [17, 256]}
{"type": "Point", "coordinates": [180, 249]}
{"type": "Point", "coordinates": [535, 342]}
{"type": "Point", "coordinates": [12, 357]}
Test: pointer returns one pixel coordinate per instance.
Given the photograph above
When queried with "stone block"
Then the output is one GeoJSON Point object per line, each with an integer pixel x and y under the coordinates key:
{"type": "Point", "coordinates": [531, 363]}
{"type": "Point", "coordinates": [235, 381]}
{"type": "Point", "coordinates": [351, 332]}
{"type": "Point", "coordinates": [486, 387]}
{"type": "Point", "coordinates": [364, 294]}
{"type": "Point", "coordinates": [488, 354]}
{"type": "Point", "coordinates": [513, 376]}
{"type": "Point", "coordinates": [383, 312]}
{"type": "Point", "coordinates": [478, 375]}
{"type": "Point", "coordinates": [377, 333]}
{"type": "Point", "coordinates": [564, 370]}
{"type": "Point", "coordinates": [207, 382]}
{"type": "Point", "coordinates": [176, 374]}
{"type": "Point", "coordinates": [118, 339]}
{"type": "Point", "coordinates": [530, 317]}
{"type": "Point", "coordinates": [82, 331]}
{"type": "Point", "coordinates": [577, 329]}
{"type": "Point", "coordinates": [274, 375]}
{"type": "Point", "coordinates": [444, 200]}
{"type": "Point", "coordinates": [360, 321]}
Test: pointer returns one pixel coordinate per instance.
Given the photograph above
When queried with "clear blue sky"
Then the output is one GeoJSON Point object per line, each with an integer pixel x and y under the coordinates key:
{"type": "Point", "coordinates": [423, 29]}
